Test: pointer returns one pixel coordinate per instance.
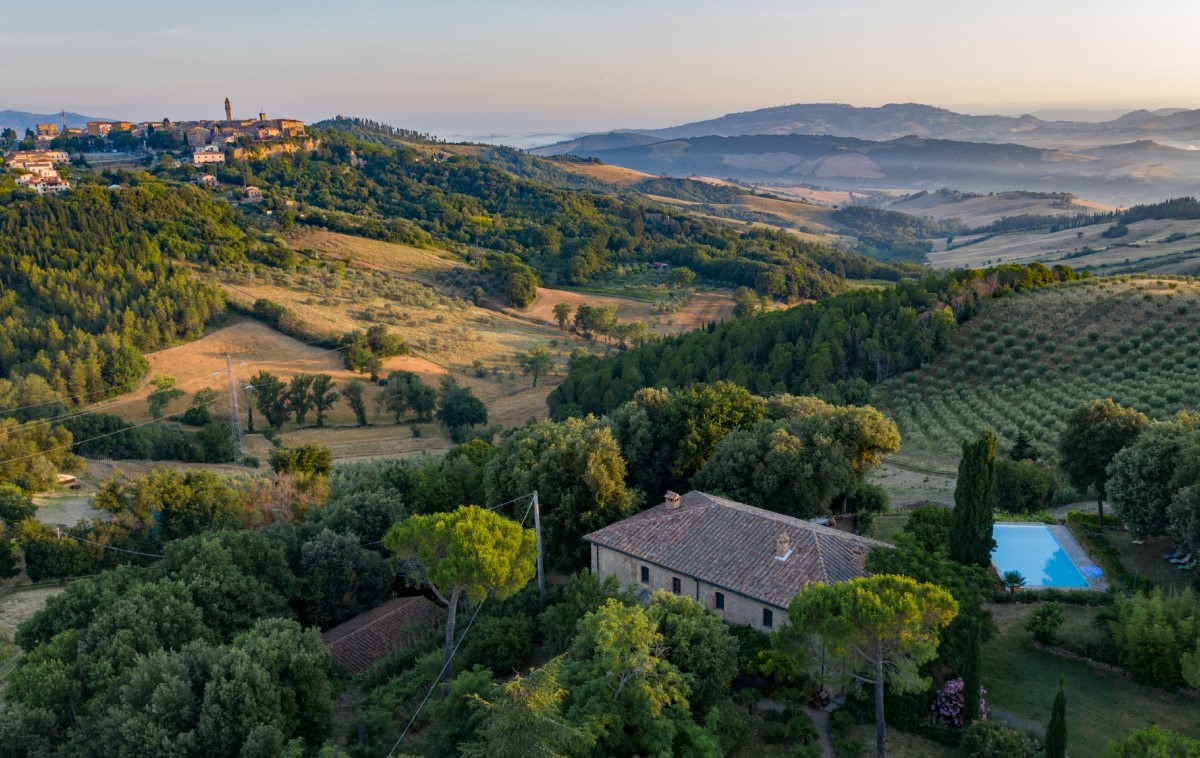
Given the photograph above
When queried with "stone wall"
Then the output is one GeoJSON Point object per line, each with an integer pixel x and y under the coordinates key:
{"type": "Point", "coordinates": [738, 609]}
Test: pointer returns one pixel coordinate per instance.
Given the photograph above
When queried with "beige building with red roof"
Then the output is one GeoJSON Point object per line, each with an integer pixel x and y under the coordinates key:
{"type": "Point", "coordinates": [744, 563]}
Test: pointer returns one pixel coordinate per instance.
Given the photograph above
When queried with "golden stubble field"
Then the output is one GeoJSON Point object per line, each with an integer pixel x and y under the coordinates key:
{"type": "Point", "coordinates": [510, 397]}
{"type": "Point", "coordinates": [407, 290]}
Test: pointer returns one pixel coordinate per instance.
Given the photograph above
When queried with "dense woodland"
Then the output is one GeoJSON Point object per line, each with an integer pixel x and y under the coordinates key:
{"type": "Point", "coordinates": [406, 195]}
{"type": "Point", "coordinates": [93, 278]}
{"type": "Point", "coordinates": [835, 347]}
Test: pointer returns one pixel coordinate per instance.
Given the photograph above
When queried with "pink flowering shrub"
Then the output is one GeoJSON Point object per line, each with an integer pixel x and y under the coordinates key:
{"type": "Point", "coordinates": [948, 707]}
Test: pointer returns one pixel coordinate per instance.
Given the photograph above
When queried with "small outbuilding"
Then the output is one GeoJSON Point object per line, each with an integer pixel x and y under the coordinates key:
{"type": "Point", "coordinates": [368, 638]}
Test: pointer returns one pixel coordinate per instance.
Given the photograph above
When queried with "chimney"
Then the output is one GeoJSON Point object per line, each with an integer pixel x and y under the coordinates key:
{"type": "Point", "coordinates": [783, 547]}
{"type": "Point", "coordinates": [672, 500]}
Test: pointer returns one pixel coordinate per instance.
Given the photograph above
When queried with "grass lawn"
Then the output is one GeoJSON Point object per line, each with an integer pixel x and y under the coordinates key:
{"type": "Point", "coordinates": [901, 744]}
{"type": "Point", "coordinates": [887, 525]}
{"type": "Point", "coordinates": [1146, 560]}
{"type": "Point", "coordinates": [1100, 705]}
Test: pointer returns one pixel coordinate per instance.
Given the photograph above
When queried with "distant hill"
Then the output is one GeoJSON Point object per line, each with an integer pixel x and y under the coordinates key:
{"type": "Point", "coordinates": [1170, 125]}
{"type": "Point", "coordinates": [22, 120]}
{"type": "Point", "coordinates": [1119, 174]}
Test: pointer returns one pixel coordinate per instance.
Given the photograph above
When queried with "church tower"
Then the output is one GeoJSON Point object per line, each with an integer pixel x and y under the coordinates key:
{"type": "Point", "coordinates": [228, 111]}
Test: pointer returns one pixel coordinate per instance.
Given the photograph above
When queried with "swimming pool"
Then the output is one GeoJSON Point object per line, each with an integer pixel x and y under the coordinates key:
{"type": "Point", "coordinates": [1033, 550]}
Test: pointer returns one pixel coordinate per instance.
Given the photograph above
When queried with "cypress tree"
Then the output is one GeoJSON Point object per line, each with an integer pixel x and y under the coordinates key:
{"type": "Point", "coordinates": [971, 522]}
{"type": "Point", "coordinates": [1056, 730]}
{"type": "Point", "coordinates": [971, 675]}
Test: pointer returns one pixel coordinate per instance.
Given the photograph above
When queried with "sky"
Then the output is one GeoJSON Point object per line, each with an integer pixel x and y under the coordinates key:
{"type": "Point", "coordinates": [507, 67]}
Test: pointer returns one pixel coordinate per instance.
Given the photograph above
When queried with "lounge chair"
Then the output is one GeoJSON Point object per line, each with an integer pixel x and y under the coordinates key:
{"type": "Point", "coordinates": [1186, 559]}
{"type": "Point", "coordinates": [1187, 566]}
{"type": "Point", "coordinates": [1172, 556]}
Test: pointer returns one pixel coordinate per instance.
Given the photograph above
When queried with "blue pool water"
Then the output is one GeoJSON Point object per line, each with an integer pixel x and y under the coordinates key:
{"type": "Point", "coordinates": [1033, 550]}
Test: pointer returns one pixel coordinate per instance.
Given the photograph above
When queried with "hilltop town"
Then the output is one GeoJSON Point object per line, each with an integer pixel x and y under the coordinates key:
{"type": "Point", "coordinates": [39, 155]}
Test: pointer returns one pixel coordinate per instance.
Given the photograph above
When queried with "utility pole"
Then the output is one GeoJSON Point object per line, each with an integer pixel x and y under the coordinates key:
{"type": "Point", "coordinates": [537, 530]}
{"type": "Point", "coordinates": [235, 417]}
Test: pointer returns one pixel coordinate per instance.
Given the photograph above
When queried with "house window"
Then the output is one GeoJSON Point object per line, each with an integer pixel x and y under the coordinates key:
{"type": "Point", "coordinates": [768, 618]}
{"type": "Point", "coordinates": [645, 575]}
{"type": "Point", "coordinates": [719, 601]}
{"type": "Point", "coordinates": [676, 585]}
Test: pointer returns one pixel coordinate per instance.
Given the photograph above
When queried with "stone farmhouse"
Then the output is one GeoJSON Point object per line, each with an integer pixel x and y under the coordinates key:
{"type": "Point", "coordinates": [744, 563]}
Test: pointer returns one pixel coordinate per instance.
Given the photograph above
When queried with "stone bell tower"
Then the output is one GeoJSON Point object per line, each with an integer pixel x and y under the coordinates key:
{"type": "Point", "coordinates": [228, 111]}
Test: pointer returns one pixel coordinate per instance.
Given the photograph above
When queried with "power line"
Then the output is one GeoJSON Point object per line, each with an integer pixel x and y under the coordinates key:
{"type": "Point", "coordinates": [438, 679]}
{"type": "Point", "coordinates": [467, 630]}
{"type": "Point", "coordinates": [106, 547]}
{"type": "Point", "coordinates": [101, 409]}
{"type": "Point", "coordinates": [104, 408]}
{"type": "Point", "coordinates": [102, 436]}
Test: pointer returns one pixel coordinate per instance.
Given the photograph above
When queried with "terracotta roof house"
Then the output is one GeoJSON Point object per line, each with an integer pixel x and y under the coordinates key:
{"type": "Point", "coordinates": [368, 638]}
{"type": "Point", "coordinates": [744, 563]}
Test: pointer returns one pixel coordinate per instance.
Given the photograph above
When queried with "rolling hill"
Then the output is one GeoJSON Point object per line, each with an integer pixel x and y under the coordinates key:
{"type": "Point", "coordinates": [1119, 174]}
{"type": "Point", "coordinates": [1170, 125]}
{"type": "Point", "coordinates": [1026, 360]}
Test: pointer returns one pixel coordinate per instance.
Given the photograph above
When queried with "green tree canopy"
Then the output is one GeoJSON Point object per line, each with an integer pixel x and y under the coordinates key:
{"type": "Point", "coordinates": [1093, 434]}
{"type": "Point", "coordinates": [1152, 742]}
{"type": "Point", "coordinates": [877, 629]}
{"type": "Point", "coordinates": [526, 720]}
{"type": "Point", "coordinates": [624, 695]}
{"type": "Point", "coordinates": [1144, 476]}
{"type": "Point", "coordinates": [458, 406]}
{"type": "Point", "coordinates": [470, 553]}
{"type": "Point", "coordinates": [667, 436]}
{"type": "Point", "coordinates": [1056, 730]}
{"type": "Point", "coordinates": [340, 579]}
{"type": "Point", "coordinates": [536, 361]}
{"type": "Point", "coordinates": [699, 644]}
{"type": "Point", "coordinates": [578, 472]}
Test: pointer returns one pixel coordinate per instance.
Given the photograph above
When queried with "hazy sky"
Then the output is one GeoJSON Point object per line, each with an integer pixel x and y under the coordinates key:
{"type": "Point", "coordinates": [473, 67]}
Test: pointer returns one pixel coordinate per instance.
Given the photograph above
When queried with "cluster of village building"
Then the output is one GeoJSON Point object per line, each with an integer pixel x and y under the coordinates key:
{"type": "Point", "coordinates": [38, 171]}
{"type": "Point", "coordinates": [206, 139]}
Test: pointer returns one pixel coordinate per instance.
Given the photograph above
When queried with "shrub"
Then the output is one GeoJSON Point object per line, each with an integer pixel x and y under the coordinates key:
{"type": "Point", "coordinates": [502, 644]}
{"type": "Point", "coordinates": [1152, 741]}
{"type": "Point", "coordinates": [1044, 622]}
{"type": "Point", "coordinates": [994, 739]}
{"type": "Point", "coordinates": [948, 707]}
{"type": "Point", "coordinates": [930, 525]}
{"type": "Point", "coordinates": [1153, 635]}
{"type": "Point", "coordinates": [1022, 486]}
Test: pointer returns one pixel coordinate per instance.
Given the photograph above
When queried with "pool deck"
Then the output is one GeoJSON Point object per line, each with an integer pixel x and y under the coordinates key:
{"type": "Point", "coordinates": [1078, 555]}
{"type": "Point", "coordinates": [1075, 552]}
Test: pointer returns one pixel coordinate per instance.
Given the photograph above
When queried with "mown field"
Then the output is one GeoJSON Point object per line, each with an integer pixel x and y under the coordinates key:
{"type": "Point", "coordinates": [1150, 247]}
{"type": "Point", "coordinates": [413, 292]}
{"type": "Point", "coordinates": [510, 397]}
{"type": "Point", "coordinates": [979, 211]}
{"type": "Point", "coordinates": [1030, 358]}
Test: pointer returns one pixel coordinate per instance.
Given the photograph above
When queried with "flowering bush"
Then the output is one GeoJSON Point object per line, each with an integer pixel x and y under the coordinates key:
{"type": "Point", "coordinates": [948, 707]}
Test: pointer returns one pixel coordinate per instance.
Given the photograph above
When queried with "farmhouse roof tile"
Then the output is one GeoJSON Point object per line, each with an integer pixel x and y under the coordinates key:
{"type": "Point", "coordinates": [370, 637]}
{"type": "Point", "coordinates": [735, 546]}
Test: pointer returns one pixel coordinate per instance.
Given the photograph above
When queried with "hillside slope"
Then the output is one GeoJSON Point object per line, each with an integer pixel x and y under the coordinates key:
{"type": "Point", "coordinates": [1028, 359]}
